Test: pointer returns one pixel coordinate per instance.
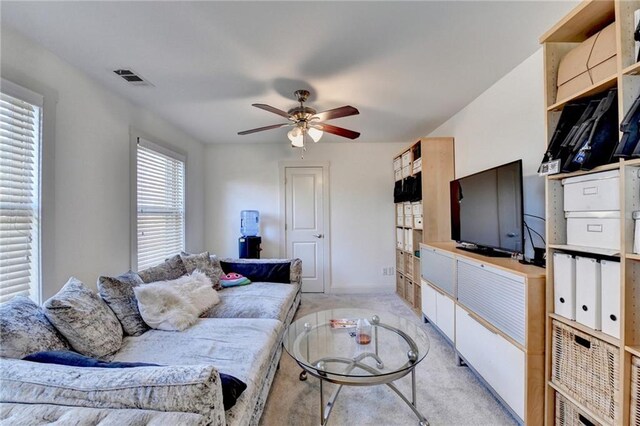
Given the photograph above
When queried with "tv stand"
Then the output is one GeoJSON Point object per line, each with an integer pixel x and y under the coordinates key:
{"type": "Point", "coordinates": [484, 251]}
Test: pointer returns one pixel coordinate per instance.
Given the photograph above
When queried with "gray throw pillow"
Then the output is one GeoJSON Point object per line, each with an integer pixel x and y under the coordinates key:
{"type": "Point", "coordinates": [171, 269]}
{"type": "Point", "coordinates": [84, 319]}
{"type": "Point", "coordinates": [117, 292]}
{"type": "Point", "coordinates": [24, 330]}
{"type": "Point", "coordinates": [203, 263]}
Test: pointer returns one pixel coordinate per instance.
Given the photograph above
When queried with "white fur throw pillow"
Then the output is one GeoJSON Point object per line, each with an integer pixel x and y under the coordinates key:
{"type": "Point", "coordinates": [176, 305]}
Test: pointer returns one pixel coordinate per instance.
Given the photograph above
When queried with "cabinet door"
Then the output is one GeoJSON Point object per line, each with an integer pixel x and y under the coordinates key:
{"type": "Point", "coordinates": [438, 268]}
{"type": "Point", "coordinates": [429, 302]}
{"type": "Point", "coordinates": [445, 309]}
{"type": "Point", "coordinates": [501, 364]}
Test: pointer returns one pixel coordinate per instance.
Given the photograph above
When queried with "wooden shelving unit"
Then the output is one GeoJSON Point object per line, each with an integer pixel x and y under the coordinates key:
{"type": "Point", "coordinates": [585, 20]}
{"type": "Point", "coordinates": [437, 170]}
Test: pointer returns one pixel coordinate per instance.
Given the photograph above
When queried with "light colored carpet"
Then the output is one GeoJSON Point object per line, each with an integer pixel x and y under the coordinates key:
{"type": "Point", "coordinates": [447, 394]}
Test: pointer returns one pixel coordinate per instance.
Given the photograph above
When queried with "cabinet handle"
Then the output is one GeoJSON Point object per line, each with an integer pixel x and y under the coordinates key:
{"type": "Point", "coordinates": [583, 342]}
{"type": "Point", "coordinates": [584, 420]}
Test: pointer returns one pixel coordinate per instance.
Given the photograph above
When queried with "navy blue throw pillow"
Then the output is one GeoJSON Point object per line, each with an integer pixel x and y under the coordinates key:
{"type": "Point", "coordinates": [260, 272]}
{"type": "Point", "coordinates": [77, 360]}
{"type": "Point", "coordinates": [232, 387]}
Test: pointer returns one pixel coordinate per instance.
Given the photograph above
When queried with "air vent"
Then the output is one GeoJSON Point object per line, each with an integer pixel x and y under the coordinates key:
{"type": "Point", "coordinates": [132, 77]}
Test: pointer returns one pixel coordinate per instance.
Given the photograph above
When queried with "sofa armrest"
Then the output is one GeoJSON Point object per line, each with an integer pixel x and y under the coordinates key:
{"type": "Point", "coordinates": [295, 268]}
{"type": "Point", "coordinates": [180, 388]}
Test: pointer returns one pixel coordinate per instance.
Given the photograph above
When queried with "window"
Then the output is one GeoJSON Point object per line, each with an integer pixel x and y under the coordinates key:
{"type": "Point", "coordinates": [20, 137]}
{"type": "Point", "coordinates": [160, 203]}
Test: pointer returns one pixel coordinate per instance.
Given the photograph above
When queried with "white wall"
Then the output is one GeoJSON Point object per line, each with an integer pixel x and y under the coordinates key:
{"type": "Point", "coordinates": [245, 176]}
{"type": "Point", "coordinates": [86, 185]}
{"type": "Point", "coordinates": [504, 124]}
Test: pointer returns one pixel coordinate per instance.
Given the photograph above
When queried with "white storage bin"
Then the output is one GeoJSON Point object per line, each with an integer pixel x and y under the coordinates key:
{"type": "Point", "coordinates": [406, 171]}
{"type": "Point", "coordinates": [408, 240]}
{"type": "Point", "coordinates": [416, 209]}
{"type": "Point", "coordinates": [400, 220]}
{"type": "Point", "coordinates": [408, 210]}
{"type": "Point", "coordinates": [407, 158]}
{"type": "Point", "coordinates": [417, 166]}
{"type": "Point", "coordinates": [595, 192]}
{"type": "Point", "coordinates": [399, 209]}
{"type": "Point", "coordinates": [636, 238]}
{"type": "Point", "coordinates": [417, 222]}
{"type": "Point", "coordinates": [610, 283]}
{"type": "Point", "coordinates": [408, 221]}
{"type": "Point", "coordinates": [398, 175]}
{"type": "Point", "coordinates": [594, 229]}
{"type": "Point", "coordinates": [588, 292]}
{"type": "Point", "coordinates": [400, 238]}
{"type": "Point", "coordinates": [397, 163]}
{"type": "Point", "coordinates": [564, 285]}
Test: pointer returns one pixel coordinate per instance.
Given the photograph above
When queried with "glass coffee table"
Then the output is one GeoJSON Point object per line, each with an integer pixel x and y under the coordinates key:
{"type": "Point", "coordinates": [325, 344]}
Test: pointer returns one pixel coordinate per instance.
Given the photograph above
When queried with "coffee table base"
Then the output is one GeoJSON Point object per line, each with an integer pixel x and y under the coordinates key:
{"type": "Point", "coordinates": [325, 411]}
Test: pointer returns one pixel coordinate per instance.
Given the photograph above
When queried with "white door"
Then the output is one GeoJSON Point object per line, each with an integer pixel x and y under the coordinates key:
{"type": "Point", "coordinates": [304, 226]}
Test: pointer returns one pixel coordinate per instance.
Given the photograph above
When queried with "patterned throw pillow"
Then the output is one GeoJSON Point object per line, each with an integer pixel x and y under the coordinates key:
{"type": "Point", "coordinates": [117, 292]}
{"type": "Point", "coordinates": [171, 269]}
{"type": "Point", "coordinates": [84, 319]}
{"type": "Point", "coordinates": [24, 329]}
{"type": "Point", "coordinates": [203, 263]}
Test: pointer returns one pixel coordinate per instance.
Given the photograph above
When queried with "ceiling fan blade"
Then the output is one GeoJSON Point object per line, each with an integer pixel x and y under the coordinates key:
{"type": "Point", "coordinates": [340, 131]}
{"type": "Point", "coordinates": [272, 109]}
{"type": "Point", "coordinates": [330, 114]}
{"type": "Point", "coordinates": [260, 129]}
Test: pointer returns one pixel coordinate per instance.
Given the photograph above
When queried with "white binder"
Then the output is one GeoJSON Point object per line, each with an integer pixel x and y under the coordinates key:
{"type": "Point", "coordinates": [564, 285]}
{"type": "Point", "coordinates": [588, 293]}
{"type": "Point", "coordinates": [610, 282]}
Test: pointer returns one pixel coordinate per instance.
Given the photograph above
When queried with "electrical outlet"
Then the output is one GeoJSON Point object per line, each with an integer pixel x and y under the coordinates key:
{"type": "Point", "coordinates": [388, 271]}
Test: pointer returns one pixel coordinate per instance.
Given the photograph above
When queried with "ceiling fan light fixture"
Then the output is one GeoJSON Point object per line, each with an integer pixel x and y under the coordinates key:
{"type": "Point", "coordinates": [296, 136]}
{"type": "Point", "coordinates": [316, 134]}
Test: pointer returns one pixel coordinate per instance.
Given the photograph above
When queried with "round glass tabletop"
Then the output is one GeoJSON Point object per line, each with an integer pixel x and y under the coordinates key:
{"type": "Point", "coordinates": [340, 345]}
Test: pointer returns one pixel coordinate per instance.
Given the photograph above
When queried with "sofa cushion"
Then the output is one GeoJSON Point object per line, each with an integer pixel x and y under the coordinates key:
{"type": "Point", "coordinates": [117, 292]}
{"type": "Point", "coordinates": [170, 269]}
{"type": "Point", "coordinates": [47, 414]}
{"type": "Point", "coordinates": [258, 300]}
{"type": "Point", "coordinates": [176, 304]}
{"type": "Point", "coordinates": [84, 320]}
{"type": "Point", "coordinates": [25, 329]}
{"type": "Point", "coordinates": [241, 347]}
{"type": "Point", "coordinates": [186, 388]}
{"type": "Point", "coordinates": [275, 272]}
{"type": "Point", "coordinates": [204, 263]}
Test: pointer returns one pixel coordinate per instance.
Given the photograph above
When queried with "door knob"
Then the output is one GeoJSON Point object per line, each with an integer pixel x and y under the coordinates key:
{"type": "Point", "coordinates": [318, 235]}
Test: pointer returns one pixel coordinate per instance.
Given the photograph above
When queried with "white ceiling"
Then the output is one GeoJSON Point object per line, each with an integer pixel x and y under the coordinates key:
{"type": "Point", "coordinates": [407, 66]}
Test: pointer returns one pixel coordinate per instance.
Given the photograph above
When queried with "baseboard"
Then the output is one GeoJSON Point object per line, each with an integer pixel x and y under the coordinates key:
{"type": "Point", "coordinates": [362, 290]}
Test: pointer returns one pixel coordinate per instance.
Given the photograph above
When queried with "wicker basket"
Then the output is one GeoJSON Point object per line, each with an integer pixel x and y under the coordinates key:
{"type": "Point", "coordinates": [587, 369]}
{"type": "Point", "coordinates": [635, 391]}
{"type": "Point", "coordinates": [568, 414]}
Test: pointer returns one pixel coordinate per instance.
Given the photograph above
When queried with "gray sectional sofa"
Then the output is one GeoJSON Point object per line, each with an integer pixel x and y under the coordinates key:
{"type": "Point", "coordinates": [241, 336]}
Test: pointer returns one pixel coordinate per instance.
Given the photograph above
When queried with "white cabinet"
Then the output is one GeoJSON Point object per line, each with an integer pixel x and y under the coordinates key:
{"type": "Point", "coordinates": [500, 363]}
{"type": "Point", "coordinates": [439, 309]}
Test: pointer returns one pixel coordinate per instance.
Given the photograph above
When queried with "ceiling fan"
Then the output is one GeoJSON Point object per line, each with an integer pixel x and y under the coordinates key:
{"type": "Point", "coordinates": [307, 122]}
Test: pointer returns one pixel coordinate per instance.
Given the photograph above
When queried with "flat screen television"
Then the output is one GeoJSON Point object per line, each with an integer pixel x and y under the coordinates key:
{"type": "Point", "coordinates": [487, 210]}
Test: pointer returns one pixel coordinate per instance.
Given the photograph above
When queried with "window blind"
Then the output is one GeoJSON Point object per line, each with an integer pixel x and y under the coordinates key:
{"type": "Point", "coordinates": [20, 123]}
{"type": "Point", "coordinates": [160, 204]}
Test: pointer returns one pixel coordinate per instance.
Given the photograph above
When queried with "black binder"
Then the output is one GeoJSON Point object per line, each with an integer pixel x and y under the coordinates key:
{"type": "Point", "coordinates": [628, 145]}
{"type": "Point", "coordinates": [571, 114]}
{"type": "Point", "coordinates": [597, 137]}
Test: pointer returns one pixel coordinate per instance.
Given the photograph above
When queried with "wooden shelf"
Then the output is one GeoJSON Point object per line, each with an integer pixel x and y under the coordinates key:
{"type": "Point", "coordinates": [610, 166]}
{"type": "Point", "coordinates": [585, 20]}
{"type": "Point", "coordinates": [594, 89]}
{"type": "Point", "coordinates": [633, 350]}
{"type": "Point", "coordinates": [587, 330]}
{"type": "Point", "coordinates": [587, 250]}
{"type": "Point", "coordinates": [632, 256]}
{"type": "Point", "coordinates": [632, 70]}
{"type": "Point", "coordinates": [577, 404]}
